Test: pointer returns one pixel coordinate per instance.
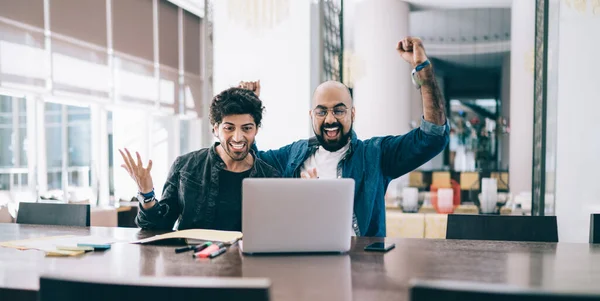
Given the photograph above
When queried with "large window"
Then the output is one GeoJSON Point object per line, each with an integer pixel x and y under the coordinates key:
{"type": "Point", "coordinates": [96, 80]}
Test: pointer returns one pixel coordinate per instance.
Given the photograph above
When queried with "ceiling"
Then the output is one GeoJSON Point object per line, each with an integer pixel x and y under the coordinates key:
{"type": "Point", "coordinates": [460, 26]}
{"type": "Point", "coordinates": [465, 33]}
{"type": "Point", "coordinates": [472, 38]}
{"type": "Point", "coordinates": [458, 4]}
{"type": "Point", "coordinates": [194, 6]}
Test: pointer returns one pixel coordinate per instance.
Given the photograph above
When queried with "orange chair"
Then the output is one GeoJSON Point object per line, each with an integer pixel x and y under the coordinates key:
{"type": "Point", "coordinates": [455, 198]}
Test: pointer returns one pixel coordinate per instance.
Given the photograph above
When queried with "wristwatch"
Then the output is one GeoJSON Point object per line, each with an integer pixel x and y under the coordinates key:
{"type": "Point", "coordinates": [415, 76]}
{"type": "Point", "coordinates": [145, 197]}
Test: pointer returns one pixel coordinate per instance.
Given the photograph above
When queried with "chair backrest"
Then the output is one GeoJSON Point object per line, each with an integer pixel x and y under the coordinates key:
{"type": "Point", "coordinates": [472, 291]}
{"type": "Point", "coordinates": [95, 288]}
{"type": "Point", "coordinates": [59, 214]}
{"type": "Point", "coordinates": [595, 228]}
{"type": "Point", "coordinates": [504, 228]}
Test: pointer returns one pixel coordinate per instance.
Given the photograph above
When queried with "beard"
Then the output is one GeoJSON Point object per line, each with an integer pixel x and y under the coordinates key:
{"type": "Point", "coordinates": [333, 144]}
{"type": "Point", "coordinates": [234, 151]}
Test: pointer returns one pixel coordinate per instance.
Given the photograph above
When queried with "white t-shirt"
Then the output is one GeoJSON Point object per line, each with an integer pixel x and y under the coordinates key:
{"type": "Point", "coordinates": [326, 163]}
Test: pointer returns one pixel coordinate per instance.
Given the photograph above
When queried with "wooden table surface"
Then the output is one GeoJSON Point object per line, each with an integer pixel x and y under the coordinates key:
{"type": "Point", "coordinates": [358, 275]}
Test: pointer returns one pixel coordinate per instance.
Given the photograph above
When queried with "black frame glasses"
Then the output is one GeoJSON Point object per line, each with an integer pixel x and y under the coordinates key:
{"type": "Point", "coordinates": [338, 112]}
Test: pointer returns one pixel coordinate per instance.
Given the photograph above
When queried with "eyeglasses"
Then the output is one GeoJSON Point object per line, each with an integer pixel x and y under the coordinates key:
{"type": "Point", "coordinates": [337, 112]}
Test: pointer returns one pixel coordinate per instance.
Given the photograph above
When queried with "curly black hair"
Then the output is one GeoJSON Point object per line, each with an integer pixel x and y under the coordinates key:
{"type": "Point", "coordinates": [234, 101]}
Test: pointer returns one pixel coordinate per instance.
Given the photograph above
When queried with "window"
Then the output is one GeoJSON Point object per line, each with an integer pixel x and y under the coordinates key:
{"type": "Point", "coordinates": [68, 151]}
{"type": "Point", "coordinates": [54, 137]}
{"type": "Point", "coordinates": [13, 143]}
{"type": "Point", "coordinates": [162, 151]}
{"type": "Point", "coordinates": [79, 146]}
{"type": "Point", "coordinates": [111, 159]}
{"type": "Point", "coordinates": [190, 132]}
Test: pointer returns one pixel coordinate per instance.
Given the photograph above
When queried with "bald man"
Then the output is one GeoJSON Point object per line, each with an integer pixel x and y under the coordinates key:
{"type": "Point", "coordinates": [336, 152]}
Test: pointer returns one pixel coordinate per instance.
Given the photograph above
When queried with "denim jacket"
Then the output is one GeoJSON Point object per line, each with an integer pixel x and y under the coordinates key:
{"type": "Point", "coordinates": [189, 198]}
{"type": "Point", "coordinates": [372, 163]}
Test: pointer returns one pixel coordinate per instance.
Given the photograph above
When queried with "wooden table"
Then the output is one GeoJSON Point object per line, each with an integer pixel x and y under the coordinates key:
{"type": "Point", "coordinates": [359, 275]}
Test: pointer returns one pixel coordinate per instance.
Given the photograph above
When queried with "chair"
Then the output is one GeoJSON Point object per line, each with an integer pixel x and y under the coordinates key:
{"type": "Point", "coordinates": [58, 214]}
{"type": "Point", "coordinates": [504, 228]}
{"type": "Point", "coordinates": [97, 288]}
{"type": "Point", "coordinates": [595, 228]}
{"type": "Point", "coordinates": [421, 290]}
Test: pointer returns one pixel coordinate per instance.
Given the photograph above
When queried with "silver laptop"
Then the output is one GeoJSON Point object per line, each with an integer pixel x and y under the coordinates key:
{"type": "Point", "coordinates": [296, 215]}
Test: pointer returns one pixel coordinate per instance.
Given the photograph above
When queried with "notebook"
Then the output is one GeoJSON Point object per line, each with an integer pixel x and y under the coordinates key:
{"type": "Point", "coordinates": [196, 236]}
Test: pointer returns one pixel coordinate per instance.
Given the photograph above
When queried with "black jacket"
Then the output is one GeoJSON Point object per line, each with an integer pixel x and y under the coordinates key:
{"type": "Point", "coordinates": [189, 196]}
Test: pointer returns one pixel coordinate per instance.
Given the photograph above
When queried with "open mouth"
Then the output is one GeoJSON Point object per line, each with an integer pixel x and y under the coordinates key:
{"type": "Point", "coordinates": [332, 132]}
{"type": "Point", "coordinates": [237, 146]}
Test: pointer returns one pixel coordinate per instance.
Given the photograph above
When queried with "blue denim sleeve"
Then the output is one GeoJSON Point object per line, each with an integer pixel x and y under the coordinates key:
{"type": "Point", "coordinates": [276, 158]}
{"type": "Point", "coordinates": [402, 154]}
{"type": "Point", "coordinates": [434, 129]}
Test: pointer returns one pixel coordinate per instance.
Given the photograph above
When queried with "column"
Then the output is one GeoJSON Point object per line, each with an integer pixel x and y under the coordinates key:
{"type": "Point", "coordinates": [521, 95]}
{"type": "Point", "coordinates": [382, 87]}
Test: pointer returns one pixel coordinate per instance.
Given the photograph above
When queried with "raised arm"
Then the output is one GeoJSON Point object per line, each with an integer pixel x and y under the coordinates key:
{"type": "Point", "coordinates": [277, 158]}
{"type": "Point", "coordinates": [402, 154]}
{"type": "Point", "coordinates": [153, 214]}
{"type": "Point", "coordinates": [412, 50]}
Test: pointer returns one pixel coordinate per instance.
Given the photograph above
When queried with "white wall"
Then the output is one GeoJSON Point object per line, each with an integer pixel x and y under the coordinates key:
{"type": "Point", "coordinates": [277, 53]}
{"type": "Point", "coordinates": [578, 142]}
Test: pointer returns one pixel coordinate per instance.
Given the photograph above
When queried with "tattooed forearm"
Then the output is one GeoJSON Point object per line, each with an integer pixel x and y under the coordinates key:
{"type": "Point", "coordinates": [433, 101]}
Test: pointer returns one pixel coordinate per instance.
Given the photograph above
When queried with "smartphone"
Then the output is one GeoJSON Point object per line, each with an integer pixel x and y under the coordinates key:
{"type": "Point", "coordinates": [380, 247]}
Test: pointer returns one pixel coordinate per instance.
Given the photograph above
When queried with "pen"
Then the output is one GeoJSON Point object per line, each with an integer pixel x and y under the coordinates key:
{"type": "Point", "coordinates": [184, 249]}
{"type": "Point", "coordinates": [217, 253]}
{"type": "Point", "coordinates": [203, 246]}
{"type": "Point", "coordinates": [209, 250]}
{"type": "Point", "coordinates": [193, 248]}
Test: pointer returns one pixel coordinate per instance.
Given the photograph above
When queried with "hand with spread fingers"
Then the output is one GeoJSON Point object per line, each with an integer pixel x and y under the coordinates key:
{"type": "Point", "coordinates": [252, 86]}
{"type": "Point", "coordinates": [137, 171]}
{"type": "Point", "coordinates": [309, 174]}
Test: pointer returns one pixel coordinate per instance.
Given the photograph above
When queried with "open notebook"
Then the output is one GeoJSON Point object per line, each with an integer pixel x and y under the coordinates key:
{"type": "Point", "coordinates": [196, 236]}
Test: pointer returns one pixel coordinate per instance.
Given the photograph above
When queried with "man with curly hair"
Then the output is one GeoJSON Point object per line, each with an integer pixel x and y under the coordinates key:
{"type": "Point", "coordinates": [203, 188]}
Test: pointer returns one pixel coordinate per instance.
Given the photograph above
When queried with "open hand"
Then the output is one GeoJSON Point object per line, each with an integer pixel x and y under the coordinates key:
{"type": "Point", "coordinates": [309, 174]}
{"type": "Point", "coordinates": [137, 171]}
{"type": "Point", "coordinates": [411, 49]}
{"type": "Point", "coordinates": [252, 86]}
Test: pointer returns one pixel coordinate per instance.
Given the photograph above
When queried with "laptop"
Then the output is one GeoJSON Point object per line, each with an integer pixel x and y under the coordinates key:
{"type": "Point", "coordinates": [296, 215]}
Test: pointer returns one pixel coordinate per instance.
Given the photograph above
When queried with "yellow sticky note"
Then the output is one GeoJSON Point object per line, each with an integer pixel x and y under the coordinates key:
{"type": "Point", "coordinates": [59, 253]}
{"type": "Point", "coordinates": [75, 248]}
